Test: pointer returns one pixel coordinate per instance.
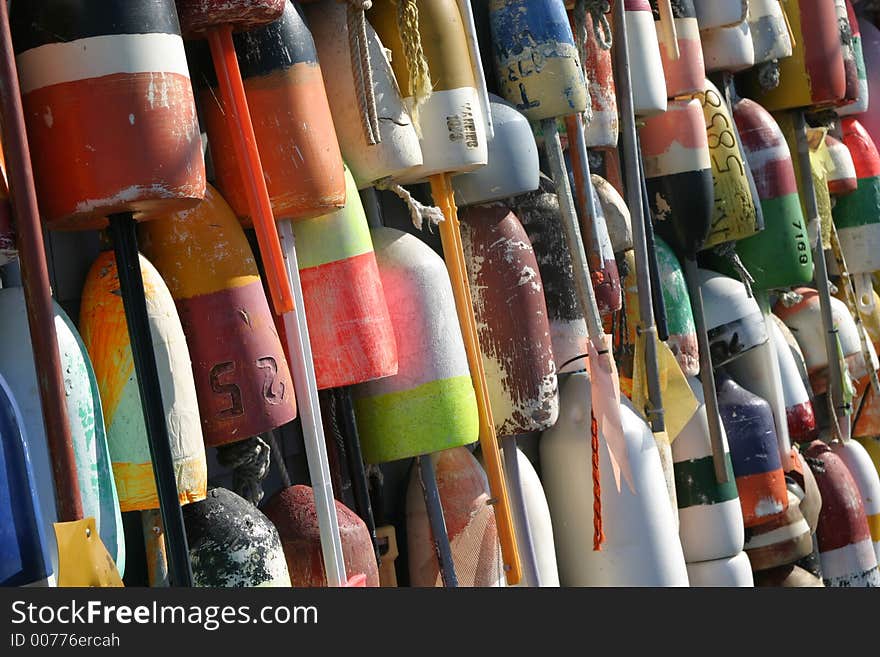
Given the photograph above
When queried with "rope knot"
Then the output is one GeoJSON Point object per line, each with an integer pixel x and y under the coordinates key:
{"type": "Point", "coordinates": [418, 212]}
{"type": "Point", "coordinates": [728, 252]}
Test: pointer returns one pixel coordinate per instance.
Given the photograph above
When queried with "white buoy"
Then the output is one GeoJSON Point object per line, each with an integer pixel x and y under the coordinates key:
{"type": "Point", "coordinates": [732, 571]}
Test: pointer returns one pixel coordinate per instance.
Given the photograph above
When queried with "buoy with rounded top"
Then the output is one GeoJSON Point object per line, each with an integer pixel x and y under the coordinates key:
{"type": "Point", "coordinates": [729, 572]}
{"type": "Point", "coordinates": [604, 126]}
{"type": "Point", "coordinates": [710, 517]}
{"type": "Point", "coordinates": [96, 79]}
{"type": "Point", "coordinates": [641, 545]}
{"type": "Point", "coordinates": [748, 422]}
{"type": "Point", "coordinates": [734, 320]}
{"type": "Point", "coordinates": [801, 418]}
{"type": "Point", "coordinates": [712, 14]}
{"type": "Point", "coordinates": [728, 48]}
{"type": "Point", "coordinates": [617, 217]}
{"type": "Point", "coordinates": [781, 540]}
{"type": "Point", "coordinates": [845, 547]}
{"type": "Point", "coordinates": [470, 523]}
{"type": "Point", "coordinates": [645, 64]}
{"type": "Point", "coordinates": [397, 149]}
{"type": "Point", "coordinates": [241, 375]}
{"type": "Point", "coordinates": [848, 51]}
{"type": "Point", "coordinates": [842, 177]}
{"type": "Point", "coordinates": [767, 25]}
{"type": "Point", "coordinates": [24, 552]}
{"type": "Point", "coordinates": [232, 544]}
{"type": "Point", "coordinates": [429, 405]}
{"type": "Point", "coordinates": [682, 340]}
{"type": "Point", "coordinates": [863, 472]}
{"type": "Point", "coordinates": [105, 334]}
{"type": "Point", "coordinates": [293, 127]}
{"type": "Point", "coordinates": [871, 51]}
{"type": "Point", "coordinates": [684, 74]}
{"type": "Point", "coordinates": [292, 511]}
{"type": "Point", "coordinates": [511, 318]}
{"type": "Point", "coordinates": [540, 523]}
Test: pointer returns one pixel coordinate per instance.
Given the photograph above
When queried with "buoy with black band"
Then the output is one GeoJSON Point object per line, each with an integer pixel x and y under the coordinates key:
{"type": "Point", "coordinates": [781, 540]}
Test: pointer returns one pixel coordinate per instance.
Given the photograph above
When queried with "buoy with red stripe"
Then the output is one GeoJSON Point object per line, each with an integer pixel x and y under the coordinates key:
{"type": "Point", "coordinates": [684, 74]}
{"type": "Point", "coordinates": [862, 101]}
{"type": "Point", "coordinates": [814, 75]}
{"type": "Point", "coordinates": [801, 418]}
{"type": "Point", "coordinates": [603, 128]}
{"type": "Point", "coordinates": [470, 523]}
{"type": "Point", "coordinates": [641, 547]}
{"type": "Point", "coordinates": [842, 176]}
{"type": "Point", "coordinates": [767, 25]}
{"type": "Point", "coordinates": [240, 370]}
{"type": "Point", "coordinates": [847, 49]}
{"type": "Point", "coordinates": [429, 405]}
{"type": "Point", "coordinates": [396, 149]}
{"type": "Point", "coordinates": [729, 48]}
{"type": "Point", "coordinates": [291, 116]}
{"type": "Point", "coordinates": [292, 511]}
{"type": "Point", "coordinates": [867, 480]}
{"type": "Point", "coordinates": [781, 540]}
{"type": "Point", "coordinates": [682, 340]}
{"type": "Point", "coordinates": [845, 546]}
{"type": "Point", "coordinates": [94, 81]}
{"type": "Point", "coordinates": [645, 64]}
{"type": "Point", "coordinates": [729, 572]}
{"type": "Point", "coordinates": [712, 13]}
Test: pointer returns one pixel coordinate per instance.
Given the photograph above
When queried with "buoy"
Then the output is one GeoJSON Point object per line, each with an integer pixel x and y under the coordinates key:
{"type": "Point", "coordinates": [801, 418]}
{"type": "Point", "coordinates": [105, 335]}
{"type": "Point", "coordinates": [787, 577]}
{"type": "Point", "coordinates": [682, 339]}
{"type": "Point", "coordinates": [349, 326]}
{"type": "Point", "coordinates": [779, 255]}
{"type": "Point", "coordinates": [678, 174]}
{"type": "Point", "coordinates": [754, 452]}
{"type": "Point", "coordinates": [864, 473]}
{"type": "Point", "coordinates": [646, 66]}
{"type": "Point", "coordinates": [617, 217]}
{"type": "Point", "coordinates": [712, 14]}
{"type": "Point", "coordinates": [540, 523]}
{"type": "Point", "coordinates": [767, 24]}
{"type": "Point", "coordinates": [684, 74]}
{"type": "Point", "coordinates": [842, 176]}
{"type": "Point", "coordinates": [734, 320]}
{"type": "Point", "coordinates": [848, 51]}
{"type": "Point", "coordinates": [512, 319]}
{"type": "Point", "coordinates": [642, 547]}
{"type": "Point", "coordinates": [814, 75]}
{"type": "Point", "coordinates": [710, 516]}
{"type": "Point", "coordinates": [199, 15]}
{"type": "Point", "coordinates": [429, 405]}
{"type": "Point", "coordinates": [470, 523]}
{"type": "Point", "coordinates": [292, 510]}
{"type": "Point", "coordinates": [241, 375]}
{"type": "Point", "coordinates": [291, 116]}
{"type": "Point", "coordinates": [729, 572]}
{"type": "Point", "coordinates": [98, 491]}
{"type": "Point", "coordinates": [232, 544]}
{"type": "Point", "coordinates": [871, 51]}
{"type": "Point", "coordinates": [396, 149]}
{"type": "Point", "coordinates": [24, 551]}
{"type": "Point", "coordinates": [845, 547]}
{"type": "Point", "coordinates": [603, 128]}
{"type": "Point", "coordinates": [728, 48]}
{"type": "Point", "coordinates": [780, 541]}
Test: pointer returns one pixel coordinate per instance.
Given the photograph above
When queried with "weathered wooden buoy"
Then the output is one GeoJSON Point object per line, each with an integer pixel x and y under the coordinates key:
{"type": "Point", "coordinates": [732, 571]}
{"type": "Point", "coordinates": [728, 48]}
{"type": "Point", "coordinates": [645, 64]}
{"type": "Point", "coordinates": [241, 375]}
{"type": "Point", "coordinates": [470, 523]}
{"type": "Point", "coordinates": [779, 255]}
{"type": "Point", "coordinates": [814, 74]}
{"type": "Point", "coordinates": [642, 547]}
{"type": "Point", "coordinates": [781, 540]}
{"type": "Point", "coordinates": [734, 320]}
{"type": "Point", "coordinates": [684, 74]}
{"type": "Point", "coordinates": [24, 552]}
{"type": "Point", "coordinates": [95, 476]}
{"type": "Point", "coordinates": [349, 325]}
{"type": "Point", "coordinates": [845, 547]}
{"type": "Point", "coordinates": [863, 472]}
{"type": "Point", "coordinates": [842, 177]}
{"type": "Point", "coordinates": [712, 13]}
{"type": "Point", "coordinates": [682, 340]}
{"type": "Point", "coordinates": [754, 452]}
{"type": "Point", "coordinates": [603, 128]}
{"type": "Point", "coordinates": [95, 80]}
{"type": "Point", "coordinates": [512, 320]}
{"type": "Point", "coordinates": [770, 37]}
{"type": "Point", "coordinates": [291, 116]}
{"type": "Point", "coordinates": [105, 334]}
{"type": "Point", "coordinates": [397, 149]}
{"type": "Point", "coordinates": [710, 517]}
{"type": "Point", "coordinates": [429, 405]}
{"type": "Point", "coordinates": [678, 174]}
{"type": "Point", "coordinates": [801, 418]}
{"type": "Point", "coordinates": [847, 50]}
{"type": "Point", "coordinates": [232, 544]}
{"type": "Point", "coordinates": [292, 510]}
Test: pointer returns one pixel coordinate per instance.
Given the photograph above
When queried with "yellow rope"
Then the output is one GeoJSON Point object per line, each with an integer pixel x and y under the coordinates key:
{"type": "Point", "coordinates": [419, 75]}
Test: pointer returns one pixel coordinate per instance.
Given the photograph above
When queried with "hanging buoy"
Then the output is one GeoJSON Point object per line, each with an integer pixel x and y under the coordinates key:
{"type": "Point", "coordinates": [645, 65]}
{"type": "Point", "coordinates": [292, 122]}
{"type": "Point", "coordinates": [728, 48]}
{"type": "Point", "coordinates": [603, 128]}
{"type": "Point", "coordinates": [845, 547]}
{"type": "Point", "coordinates": [780, 541]}
{"type": "Point", "coordinates": [682, 338]}
{"type": "Point", "coordinates": [512, 318]}
{"type": "Point", "coordinates": [842, 176]}
{"type": "Point", "coordinates": [396, 149]}
{"type": "Point", "coordinates": [871, 50]}
{"type": "Point", "coordinates": [98, 491]}
{"type": "Point", "coordinates": [678, 174]}
{"type": "Point", "coordinates": [767, 24]}
{"type": "Point", "coordinates": [713, 14]}
{"type": "Point", "coordinates": [617, 217]}
{"type": "Point", "coordinates": [850, 59]}
{"type": "Point", "coordinates": [801, 418]}
{"type": "Point", "coordinates": [429, 405]}
{"type": "Point", "coordinates": [232, 544]}
{"type": "Point", "coordinates": [470, 523]}
{"type": "Point", "coordinates": [292, 511]}
{"type": "Point", "coordinates": [710, 516]}
{"type": "Point", "coordinates": [24, 550]}
{"type": "Point", "coordinates": [733, 318]}
{"type": "Point", "coordinates": [754, 452]}
{"type": "Point", "coordinates": [729, 572]}
{"type": "Point", "coordinates": [641, 545]}
{"type": "Point", "coordinates": [685, 74]}
{"type": "Point", "coordinates": [540, 523]}
{"type": "Point", "coordinates": [240, 370]}
{"type": "Point", "coordinates": [863, 472]}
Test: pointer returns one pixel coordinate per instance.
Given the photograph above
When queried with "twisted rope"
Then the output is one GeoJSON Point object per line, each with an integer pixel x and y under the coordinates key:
{"type": "Point", "coordinates": [249, 460]}
{"type": "Point", "coordinates": [598, 531]}
{"type": "Point", "coordinates": [359, 51]}
{"type": "Point", "coordinates": [419, 83]}
{"type": "Point", "coordinates": [728, 251]}
{"type": "Point", "coordinates": [418, 212]}
{"type": "Point", "coordinates": [278, 457]}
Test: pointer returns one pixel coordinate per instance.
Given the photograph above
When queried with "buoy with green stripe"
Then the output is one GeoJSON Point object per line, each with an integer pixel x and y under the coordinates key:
{"type": "Point", "coordinates": [863, 472]}
{"type": "Point", "coordinates": [682, 338]}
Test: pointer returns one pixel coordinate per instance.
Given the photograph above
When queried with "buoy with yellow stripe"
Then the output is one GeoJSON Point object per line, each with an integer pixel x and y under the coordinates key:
{"type": "Point", "coordinates": [867, 480]}
{"type": "Point", "coordinates": [646, 66]}
{"type": "Point", "coordinates": [684, 74]}
{"type": "Point", "coordinates": [800, 417]}
{"type": "Point", "coordinates": [842, 176]}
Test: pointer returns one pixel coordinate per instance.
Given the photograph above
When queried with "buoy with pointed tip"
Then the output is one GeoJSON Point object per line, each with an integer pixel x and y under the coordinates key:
{"type": "Point", "coordinates": [646, 66]}
{"type": "Point", "coordinates": [684, 74]}
{"type": "Point", "coordinates": [728, 48]}
{"type": "Point", "coordinates": [732, 571]}
{"type": "Point", "coordinates": [842, 177]}
{"type": "Point", "coordinates": [682, 340]}
{"type": "Point", "coordinates": [801, 418]}
{"type": "Point", "coordinates": [863, 472]}
{"type": "Point", "coordinates": [767, 25]}
{"type": "Point", "coordinates": [617, 217]}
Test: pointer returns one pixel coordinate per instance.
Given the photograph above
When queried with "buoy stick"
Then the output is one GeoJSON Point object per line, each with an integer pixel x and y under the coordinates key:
{"type": "Point", "coordinates": [305, 385]}
{"type": "Point", "coordinates": [131, 283]}
{"type": "Point", "coordinates": [154, 545]}
{"type": "Point", "coordinates": [450, 237]}
{"type": "Point", "coordinates": [531, 573]}
{"type": "Point", "coordinates": [428, 482]}
{"type": "Point", "coordinates": [238, 120]}
{"type": "Point", "coordinates": [835, 373]}
{"type": "Point", "coordinates": [35, 282]}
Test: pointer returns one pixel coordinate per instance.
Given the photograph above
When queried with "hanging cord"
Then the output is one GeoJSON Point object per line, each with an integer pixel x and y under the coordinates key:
{"type": "Point", "coordinates": [278, 457]}
{"type": "Point", "coordinates": [359, 51]}
{"type": "Point", "coordinates": [249, 460]}
{"type": "Point", "coordinates": [418, 212]}
{"type": "Point", "coordinates": [598, 531]}
{"type": "Point", "coordinates": [728, 252]}
{"type": "Point", "coordinates": [419, 75]}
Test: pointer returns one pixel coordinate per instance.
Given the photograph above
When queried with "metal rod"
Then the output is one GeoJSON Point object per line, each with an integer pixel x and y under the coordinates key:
{"type": "Point", "coordinates": [531, 572]}
{"type": "Point", "coordinates": [131, 283]}
{"type": "Point", "coordinates": [434, 508]}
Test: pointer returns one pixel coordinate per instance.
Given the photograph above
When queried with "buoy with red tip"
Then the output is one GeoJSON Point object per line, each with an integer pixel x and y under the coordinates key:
{"type": "Point", "coordinates": [847, 49]}
{"type": "Point", "coordinates": [842, 176]}
{"type": "Point", "coordinates": [684, 74]}
{"type": "Point", "coordinates": [470, 522]}
{"type": "Point", "coordinates": [394, 150]}
{"type": "Point", "coordinates": [801, 418]}
{"type": "Point", "coordinates": [641, 545]}
{"type": "Point", "coordinates": [845, 547]}
{"type": "Point", "coordinates": [729, 48]}
{"type": "Point", "coordinates": [863, 472]}
{"type": "Point", "coordinates": [729, 572]}
{"type": "Point", "coordinates": [646, 66]}
{"type": "Point", "coordinates": [713, 14]}
{"type": "Point", "coordinates": [862, 101]}
{"type": "Point", "coordinates": [603, 128]}
{"type": "Point", "coordinates": [770, 37]}
{"type": "Point", "coordinates": [241, 375]}
{"type": "Point", "coordinates": [292, 511]}
{"type": "Point", "coordinates": [682, 340]}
